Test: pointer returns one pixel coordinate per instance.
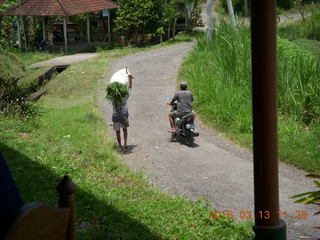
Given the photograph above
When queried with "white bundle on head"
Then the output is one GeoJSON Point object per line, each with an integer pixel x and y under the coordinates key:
{"type": "Point", "coordinates": [121, 76]}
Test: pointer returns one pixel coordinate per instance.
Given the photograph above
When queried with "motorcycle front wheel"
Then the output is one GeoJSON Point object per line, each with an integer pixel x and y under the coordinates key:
{"type": "Point", "coordinates": [189, 138]}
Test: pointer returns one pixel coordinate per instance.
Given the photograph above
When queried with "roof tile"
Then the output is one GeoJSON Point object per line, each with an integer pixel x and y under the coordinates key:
{"type": "Point", "coordinates": [59, 7]}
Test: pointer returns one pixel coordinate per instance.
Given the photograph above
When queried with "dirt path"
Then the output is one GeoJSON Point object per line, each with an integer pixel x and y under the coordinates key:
{"type": "Point", "coordinates": [214, 168]}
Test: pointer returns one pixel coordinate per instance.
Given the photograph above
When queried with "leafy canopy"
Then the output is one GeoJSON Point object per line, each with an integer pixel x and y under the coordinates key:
{"type": "Point", "coordinates": [138, 16]}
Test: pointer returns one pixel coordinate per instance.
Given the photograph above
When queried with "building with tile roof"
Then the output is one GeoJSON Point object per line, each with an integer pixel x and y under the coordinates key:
{"type": "Point", "coordinates": [60, 8]}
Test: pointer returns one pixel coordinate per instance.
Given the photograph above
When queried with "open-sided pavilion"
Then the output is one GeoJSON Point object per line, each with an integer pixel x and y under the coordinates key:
{"type": "Point", "coordinates": [61, 8]}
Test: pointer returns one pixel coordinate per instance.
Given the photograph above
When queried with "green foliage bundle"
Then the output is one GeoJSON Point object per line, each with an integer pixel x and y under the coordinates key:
{"type": "Point", "coordinates": [219, 75]}
{"type": "Point", "coordinates": [116, 92]}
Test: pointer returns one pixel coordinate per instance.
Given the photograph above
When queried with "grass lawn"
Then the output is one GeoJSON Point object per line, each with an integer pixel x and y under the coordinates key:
{"type": "Point", "coordinates": [69, 137]}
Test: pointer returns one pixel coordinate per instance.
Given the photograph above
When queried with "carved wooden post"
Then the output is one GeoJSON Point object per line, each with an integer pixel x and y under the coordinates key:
{"type": "Point", "coordinates": [66, 189]}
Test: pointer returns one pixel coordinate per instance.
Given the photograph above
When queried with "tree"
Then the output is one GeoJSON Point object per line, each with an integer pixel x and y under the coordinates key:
{"type": "Point", "coordinates": [299, 4]}
{"type": "Point", "coordinates": [160, 32]}
{"type": "Point", "coordinates": [138, 16]}
{"type": "Point", "coordinates": [245, 8]}
{"type": "Point", "coordinates": [190, 6]}
{"type": "Point", "coordinates": [169, 15]}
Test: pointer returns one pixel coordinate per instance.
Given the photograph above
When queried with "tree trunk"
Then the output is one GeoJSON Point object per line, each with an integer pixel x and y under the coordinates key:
{"type": "Point", "coordinates": [174, 28]}
{"type": "Point", "coordinates": [231, 13]}
{"type": "Point", "coordinates": [169, 27]}
{"type": "Point", "coordinates": [301, 9]}
{"type": "Point", "coordinates": [189, 10]}
{"type": "Point", "coordinates": [209, 14]}
{"type": "Point", "coordinates": [245, 8]}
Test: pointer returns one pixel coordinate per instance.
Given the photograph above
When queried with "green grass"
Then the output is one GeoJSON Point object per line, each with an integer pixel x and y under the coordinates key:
{"type": "Point", "coordinates": [69, 137]}
{"type": "Point", "coordinates": [33, 57]}
{"type": "Point", "coordinates": [219, 74]}
{"type": "Point", "coordinates": [311, 45]}
{"type": "Point", "coordinates": [28, 81]}
{"type": "Point", "coordinates": [10, 65]}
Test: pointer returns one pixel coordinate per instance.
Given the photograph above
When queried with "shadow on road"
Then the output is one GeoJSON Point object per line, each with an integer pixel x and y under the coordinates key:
{"type": "Point", "coordinates": [129, 149]}
{"type": "Point", "coordinates": [182, 142]}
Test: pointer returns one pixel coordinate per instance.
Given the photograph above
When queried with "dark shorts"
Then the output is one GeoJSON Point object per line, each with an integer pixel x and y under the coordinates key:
{"type": "Point", "coordinates": [118, 125]}
{"type": "Point", "coordinates": [174, 114]}
{"type": "Point", "coordinates": [120, 122]}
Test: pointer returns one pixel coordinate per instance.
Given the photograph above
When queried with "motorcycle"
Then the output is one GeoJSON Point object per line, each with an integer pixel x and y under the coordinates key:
{"type": "Point", "coordinates": [185, 127]}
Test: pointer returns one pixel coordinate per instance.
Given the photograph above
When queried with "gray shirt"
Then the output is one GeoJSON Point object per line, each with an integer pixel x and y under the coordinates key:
{"type": "Point", "coordinates": [184, 101]}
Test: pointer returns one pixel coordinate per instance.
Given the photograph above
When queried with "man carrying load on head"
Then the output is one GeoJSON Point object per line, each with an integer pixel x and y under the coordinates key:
{"type": "Point", "coordinates": [120, 112]}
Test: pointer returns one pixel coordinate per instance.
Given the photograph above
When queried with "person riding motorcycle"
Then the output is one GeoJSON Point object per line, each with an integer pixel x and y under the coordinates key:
{"type": "Point", "coordinates": [184, 100]}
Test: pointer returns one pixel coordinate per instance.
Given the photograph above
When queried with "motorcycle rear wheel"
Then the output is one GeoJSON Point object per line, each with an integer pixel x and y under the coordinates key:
{"type": "Point", "coordinates": [189, 138]}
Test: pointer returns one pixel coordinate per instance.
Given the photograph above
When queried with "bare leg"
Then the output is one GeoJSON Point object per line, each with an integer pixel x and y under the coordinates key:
{"type": "Point", "coordinates": [125, 137]}
{"type": "Point", "coordinates": [173, 129]}
{"type": "Point", "coordinates": [118, 138]}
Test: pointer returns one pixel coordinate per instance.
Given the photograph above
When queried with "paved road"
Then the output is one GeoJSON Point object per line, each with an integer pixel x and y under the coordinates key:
{"type": "Point", "coordinates": [66, 60]}
{"type": "Point", "coordinates": [214, 168]}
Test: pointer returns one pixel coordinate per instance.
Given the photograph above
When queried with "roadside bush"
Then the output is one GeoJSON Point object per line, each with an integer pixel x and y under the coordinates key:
{"type": "Point", "coordinates": [13, 101]}
{"type": "Point", "coordinates": [299, 76]}
{"type": "Point", "coordinates": [12, 98]}
{"type": "Point", "coordinates": [219, 75]}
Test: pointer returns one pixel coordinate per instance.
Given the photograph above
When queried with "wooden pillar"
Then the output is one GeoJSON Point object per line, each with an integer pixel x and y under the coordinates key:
{"type": "Point", "coordinates": [24, 34]}
{"type": "Point", "coordinates": [88, 29]}
{"type": "Point", "coordinates": [19, 33]}
{"type": "Point", "coordinates": [264, 102]}
{"type": "Point", "coordinates": [65, 19]}
{"type": "Point", "coordinates": [66, 190]}
{"type": "Point", "coordinates": [43, 29]}
{"type": "Point", "coordinates": [109, 34]}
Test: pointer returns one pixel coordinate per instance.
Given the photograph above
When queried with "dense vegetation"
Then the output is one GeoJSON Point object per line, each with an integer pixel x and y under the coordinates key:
{"type": "Point", "coordinates": [219, 74]}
